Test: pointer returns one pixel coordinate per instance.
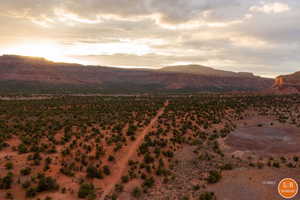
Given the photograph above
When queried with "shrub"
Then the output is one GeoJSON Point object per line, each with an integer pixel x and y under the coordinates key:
{"type": "Point", "coordinates": [9, 165]}
{"type": "Point", "coordinates": [131, 130]}
{"type": "Point", "coordinates": [47, 184]}
{"type": "Point", "coordinates": [260, 165]}
{"type": "Point", "coordinates": [149, 182]}
{"type": "Point", "coordinates": [66, 170]}
{"type": "Point", "coordinates": [136, 192]}
{"type": "Point", "coordinates": [168, 154]}
{"type": "Point", "coordinates": [290, 165]}
{"type": "Point", "coordinates": [207, 196]}
{"type": "Point", "coordinates": [148, 158]}
{"type": "Point", "coordinates": [185, 198]}
{"type": "Point", "coordinates": [25, 171]}
{"type": "Point", "coordinates": [196, 187]}
{"type": "Point", "coordinates": [5, 182]}
{"type": "Point", "coordinates": [296, 158]}
{"type": "Point", "coordinates": [106, 170]}
{"type": "Point", "coordinates": [93, 172]}
{"type": "Point", "coordinates": [227, 166]}
{"type": "Point", "coordinates": [125, 179]}
{"type": "Point", "coordinates": [119, 187]}
{"type": "Point", "coordinates": [22, 148]}
{"type": "Point", "coordinates": [87, 191]}
{"type": "Point", "coordinates": [31, 192]}
{"type": "Point", "coordinates": [111, 158]}
{"type": "Point", "coordinates": [276, 165]}
{"type": "Point", "coordinates": [214, 177]}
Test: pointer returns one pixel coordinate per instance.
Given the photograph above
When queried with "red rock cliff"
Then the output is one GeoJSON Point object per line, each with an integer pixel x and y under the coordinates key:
{"type": "Point", "coordinates": [288, 83]}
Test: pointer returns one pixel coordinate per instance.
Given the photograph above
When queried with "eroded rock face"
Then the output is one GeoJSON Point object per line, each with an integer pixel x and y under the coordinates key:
{"type": "Point", "coordinates": [288, 83]}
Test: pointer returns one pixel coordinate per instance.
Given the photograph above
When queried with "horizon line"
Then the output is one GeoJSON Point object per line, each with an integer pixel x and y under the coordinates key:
{"type": "Point", "coordinates": [139, 67]}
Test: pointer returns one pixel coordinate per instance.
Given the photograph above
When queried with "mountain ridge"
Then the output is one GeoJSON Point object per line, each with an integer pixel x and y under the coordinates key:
{"type": "Point", "coordinates": [204, 70]}
{"type": "Point", "coordinates": [43, 75]}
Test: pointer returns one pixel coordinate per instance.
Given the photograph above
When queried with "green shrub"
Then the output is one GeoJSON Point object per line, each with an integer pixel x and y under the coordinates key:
{"type": "Point", "coordinates": [25, 171]}
{"type": "Point", "coordinates": [47, 184]}
{"type": "Point", "coordinates": [207, 196]}
{"type": "Point", "coordinates": [148, 158]}
{"type": "Point", "coordinates": [66, 170]}
{"type": "Point", "coordinates": [31, 192]}
{"type": "Point", "coordinates": [111, 158]}
{"type": "Point", "coordinates": [87, 191]}
{"type": "Point", "coordinates": [149, 182]}
{"type": "Point", "coordinates": [196, 187]}
{"type": "Point", "coordinates": [185, 198]}
{"type": "Point", "coordinates": [136, 192]}
{"type": "Point", "coordinates": [9, 165]}
{"type": "Point", "coordinates": [125, 179]}
{"type": "Point", "coordinates": [214, 177]}
{"type": "Point", "coordinates": [93, 172]}
{"type": "Point", "coordinates": [227, 166]}
{"type": "Point", "coordinates": [296, 158]}
{"type": "Point", "coordinates": [119, 187]}
{"type": "Point", "coordinates": [276, 165]}
{"type": "Point", "coordinates": [6, 181]}
{"type": "Point", "coordinates": [106, 170]}
{"type": "Point", "coordinates": [22, 148]}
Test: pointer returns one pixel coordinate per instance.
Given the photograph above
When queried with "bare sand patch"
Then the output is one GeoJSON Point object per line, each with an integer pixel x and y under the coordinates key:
{"type": "Point", "coordinates": [278, 139]}
{"type": "Point", "coordinates": [250, 184]}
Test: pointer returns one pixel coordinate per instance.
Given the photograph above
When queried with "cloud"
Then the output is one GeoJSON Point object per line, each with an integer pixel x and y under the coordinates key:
{"type": "Point", "coordinates": [270, 8]}
{"type": "Point", "coordinates": [92, 11]}
{"type": "Point", "coordinates": [240, 35]}
{"type": "Point", "coordinates": [148, 60]}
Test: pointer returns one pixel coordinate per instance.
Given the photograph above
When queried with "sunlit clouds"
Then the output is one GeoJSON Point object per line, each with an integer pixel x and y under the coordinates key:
{"type": "Point", "coordinates": [271, 8]}
{"type": "Point", "coordinates": [239, 35]}
{"type": "Point", "coordinates": [47, 50]}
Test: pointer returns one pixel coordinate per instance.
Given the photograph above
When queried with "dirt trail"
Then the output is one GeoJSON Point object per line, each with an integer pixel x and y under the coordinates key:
{"type": "Point", "coordinates": [122, 163]}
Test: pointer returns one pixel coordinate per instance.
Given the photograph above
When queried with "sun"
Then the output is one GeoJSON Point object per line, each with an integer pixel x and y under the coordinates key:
{"type": "Point", "coordinates": [48, 50]}
{"type": "Point", "coordinates": [40, 50]}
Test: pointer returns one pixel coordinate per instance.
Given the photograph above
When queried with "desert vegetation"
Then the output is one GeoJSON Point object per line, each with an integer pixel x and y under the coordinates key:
{"type": "Point", "coordinates": [74, 147]}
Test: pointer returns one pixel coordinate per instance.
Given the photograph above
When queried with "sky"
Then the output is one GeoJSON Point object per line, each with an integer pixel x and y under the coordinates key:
{"type": "Point", "coordinates": [256, 36]}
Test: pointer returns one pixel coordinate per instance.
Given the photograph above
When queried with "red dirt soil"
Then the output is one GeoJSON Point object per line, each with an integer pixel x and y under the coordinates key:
{"type": "Point", "coordinates": [121, 164]}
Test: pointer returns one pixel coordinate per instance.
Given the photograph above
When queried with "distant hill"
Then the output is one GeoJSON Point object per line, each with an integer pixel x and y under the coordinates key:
{"type": "Point", "coordinates": [288, 83]}
{"type": "Point", "coordinates": [19, 74]}
{"type": "Point", "coordinates": [203, 70]}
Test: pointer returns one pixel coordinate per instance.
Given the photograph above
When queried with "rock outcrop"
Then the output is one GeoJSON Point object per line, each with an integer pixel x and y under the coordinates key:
{"type": "Point", "coordinates": [288, 83]}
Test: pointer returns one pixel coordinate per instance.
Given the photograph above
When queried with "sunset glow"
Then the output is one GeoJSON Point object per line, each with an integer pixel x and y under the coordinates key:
{"type": "Point", "coordinates": [64, 53]}
{"type": "Point", "coordinates": [231, 36]}
{"type": "Point", "coordinates": [49, 51]}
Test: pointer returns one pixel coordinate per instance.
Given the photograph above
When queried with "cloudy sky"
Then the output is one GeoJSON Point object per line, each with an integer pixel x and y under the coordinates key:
{"type": "Point", "coordinates": [238, 35]}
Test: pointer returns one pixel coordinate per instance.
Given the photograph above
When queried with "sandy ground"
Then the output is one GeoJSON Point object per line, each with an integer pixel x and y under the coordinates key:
{"type": "Point", "coordinates": [268, 139]}
{"type": "Point", "coordinates": [252, 184]}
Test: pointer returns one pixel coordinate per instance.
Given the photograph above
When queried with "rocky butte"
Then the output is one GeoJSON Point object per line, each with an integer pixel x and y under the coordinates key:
{"type": "Point", "coordinates": [288, 83]}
